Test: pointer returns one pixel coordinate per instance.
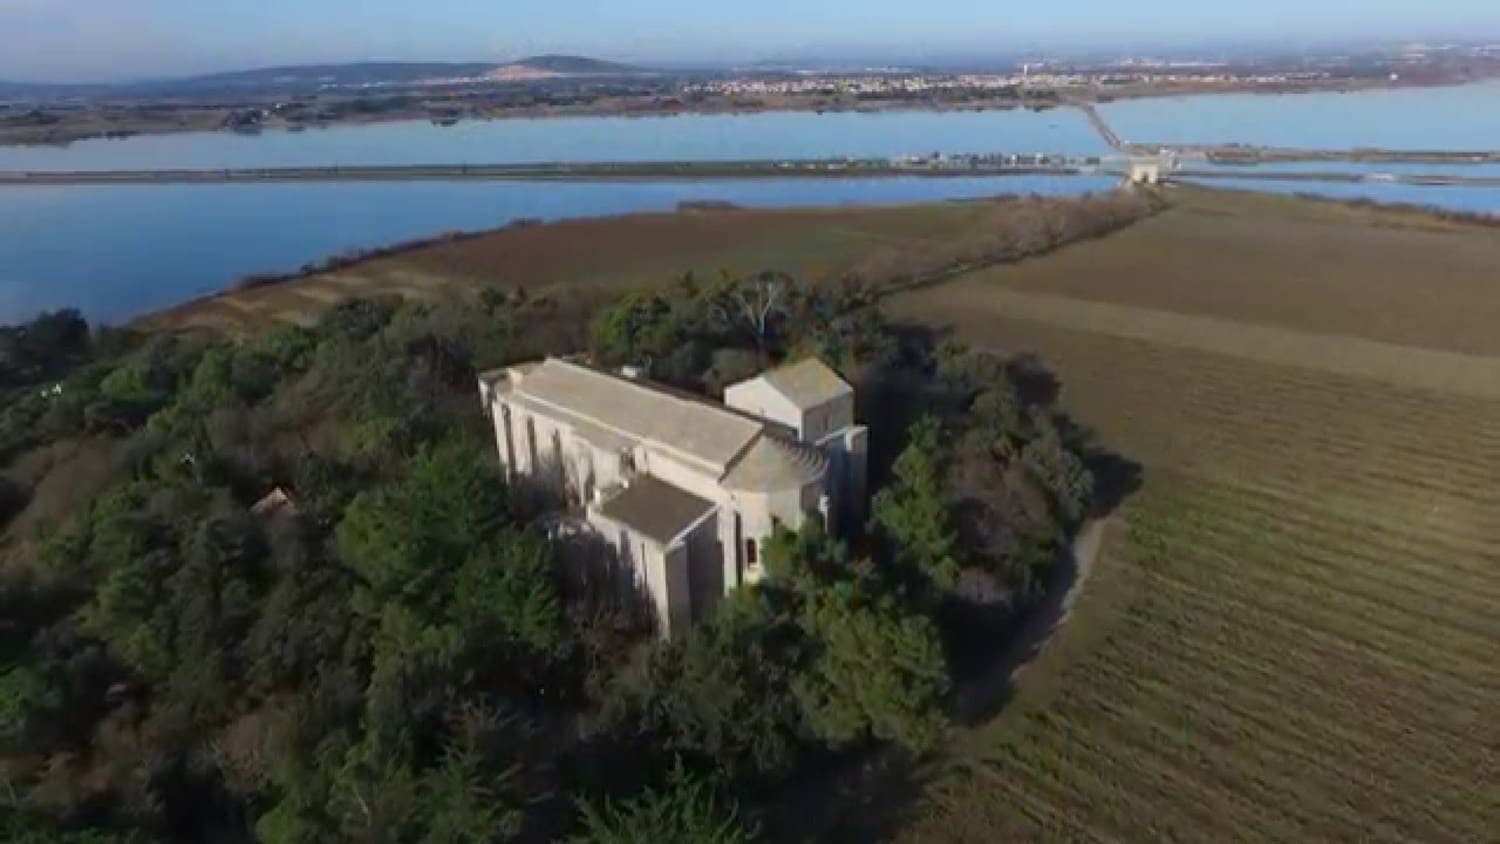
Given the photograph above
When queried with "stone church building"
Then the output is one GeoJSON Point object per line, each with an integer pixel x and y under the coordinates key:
{"type": "Point", "coordinates": [684, 489]}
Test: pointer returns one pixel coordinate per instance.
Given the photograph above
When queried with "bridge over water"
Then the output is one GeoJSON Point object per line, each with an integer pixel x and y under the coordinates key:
{"type": "Point", "coordinates": [1100, 125]}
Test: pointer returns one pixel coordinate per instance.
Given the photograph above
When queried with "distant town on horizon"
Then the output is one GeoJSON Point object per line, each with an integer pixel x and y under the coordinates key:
{"type": "Point", "coordinates": [854, 59]}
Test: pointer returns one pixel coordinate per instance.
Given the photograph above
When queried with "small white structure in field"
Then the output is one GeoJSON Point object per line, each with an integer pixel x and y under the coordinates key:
{"type": "Point", "coordinates": [1146, 170]}
{"type": "Point", "coordinates": [683, 488]}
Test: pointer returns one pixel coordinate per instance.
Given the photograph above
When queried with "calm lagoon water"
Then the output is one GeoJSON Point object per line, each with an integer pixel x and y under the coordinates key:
{"type": "Point", "coordinates": [1465, 117]}
{"type": "Point", "coordinates": [116, 251]}
{"type": "Point", "coordinates": [1483, 200]}
{"type": "Point", "coordinates": [566, 139]}
{"type": "Point", "coordinates": [1408, 168]}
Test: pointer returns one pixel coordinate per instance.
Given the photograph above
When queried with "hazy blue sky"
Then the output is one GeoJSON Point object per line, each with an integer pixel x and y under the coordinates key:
{"type": "Point", "coordinates": [107, 39]}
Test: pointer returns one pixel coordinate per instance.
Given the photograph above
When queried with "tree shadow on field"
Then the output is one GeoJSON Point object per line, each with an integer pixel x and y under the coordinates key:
{"type": "Point", "coordinates": [989, 688]}
{"type": "Point", "coordinates": [1116, 479]}
{"type": "Point", "coordinates": [1035, 383]}
{"type": "Point", "coordinates": [1025, 634]}
{"type": "Point", "coordinates": [891, 397]}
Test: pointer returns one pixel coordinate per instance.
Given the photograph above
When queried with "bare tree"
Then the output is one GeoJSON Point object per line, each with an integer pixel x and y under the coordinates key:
{"type": "Point", "coordinates": [753, 302]}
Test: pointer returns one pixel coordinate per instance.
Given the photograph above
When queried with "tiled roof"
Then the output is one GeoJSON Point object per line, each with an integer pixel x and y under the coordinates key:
{"type": "Point", "coordinates": [807, 383]}
{"type": "Point", "coordinates": [656, 509]}
{"type": "Point", "coordinates": [702, 432]}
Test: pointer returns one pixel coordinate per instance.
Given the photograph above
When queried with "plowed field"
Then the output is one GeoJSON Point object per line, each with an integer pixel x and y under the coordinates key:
{"type": "Point", "coordinates": [1293, 633]}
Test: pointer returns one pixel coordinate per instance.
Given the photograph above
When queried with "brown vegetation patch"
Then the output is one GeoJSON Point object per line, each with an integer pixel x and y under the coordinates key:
{"type": "Point", "coordinates": [60, 476]}
{"type": "Point", "coordinates": [884, 245]}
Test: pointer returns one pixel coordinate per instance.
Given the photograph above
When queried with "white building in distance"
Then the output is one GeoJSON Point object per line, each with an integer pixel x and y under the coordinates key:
{"type": "Point", "coordinates": [684, 489]}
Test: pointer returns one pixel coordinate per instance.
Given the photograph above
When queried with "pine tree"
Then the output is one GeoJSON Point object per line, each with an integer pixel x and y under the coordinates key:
{"type": "Point", "coordinates": [913, 513]}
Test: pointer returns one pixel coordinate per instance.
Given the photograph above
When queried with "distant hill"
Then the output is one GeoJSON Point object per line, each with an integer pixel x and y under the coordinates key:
{"type": "Point", "coordinates": [305, 78]}
{"type": "Point", "coordinates": [338, 74]}
{"type": "Point", "coordinates": [577, 65]}
{"type": "Point", "coordinates": [554, 66]}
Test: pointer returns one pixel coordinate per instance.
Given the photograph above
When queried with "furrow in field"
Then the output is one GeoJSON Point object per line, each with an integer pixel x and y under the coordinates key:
{"type": "Point", "coordinates": [1352, 495]}
{"type": "Point", "coordinates": [1373, 576]}
{"type": "Point", "coordinates": [1307, 616]}
{"type": "Point", "coordinates": [1351, 403]}
{"type": "Point", "coordinates": [1461, 776]}
{"type": "Point", "coordinates": [1220, 770]}
{"type": "Point", "coordinates": [1403, 366]}
{"type": "Point", "coordinates": [1049, 804]}
{"type": "Point", "coordinates": [1404, 693]}
{"type": "Point", "coordinates": [1222, 575]}
{"type": "Point", "coordinates": [1225, 566]}
{"type": "Point", "coordinates": [1154, 375]}
{"type": "Point", "coordinates": [1310, 633]}
{"type": "Point", "coordinates": [1253, 404]}
{"type": "Point", "coordinates": [1346, 550]}
{"type": "Point", "coordinates": [1246, 454]}
{"type": "Point", "coordinates": [1215, 738]}
{"type": "Point", "coordinates": [1386, 704]}
{"type": "Point", "coordinates": [1419, 456]}
{"type": "Point", "coordinates": [1425, 547]}
{"type": "Point", "coordinates": [1251, 730]}
{"type": "Point", "coordinates": [1106, 783]}
{"type": "Point", "coordinates": [1468, 515]}
{"type": "Point", "coordinates": [1050, 778]}
{"type": "Point", "coordinates": [1277, 429]}
{"type": "Point", "coordinates": [1195, 778]}
{"type": "Point", "coordinates": [1336, 712]}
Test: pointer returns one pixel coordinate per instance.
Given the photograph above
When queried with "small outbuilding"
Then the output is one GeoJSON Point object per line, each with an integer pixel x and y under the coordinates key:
{"type": "Point", "coordinates": [1146, 170]}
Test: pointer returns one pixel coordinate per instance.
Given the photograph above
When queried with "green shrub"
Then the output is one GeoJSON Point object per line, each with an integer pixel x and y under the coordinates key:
{"type": "Point", "coordinates": [684, 809]}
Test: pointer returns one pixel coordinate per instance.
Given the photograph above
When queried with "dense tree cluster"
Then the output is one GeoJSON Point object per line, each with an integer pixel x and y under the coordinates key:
{"type": "Point", "coordinates": [363, 659]}
{"type": "Point", "coordinates": [704, 336]}
{"type": "Point", "coordinates": [305, 606]}
{"type": "Point", "coordinates": [1015, 467]}
{"type": "Point", "coordinates": [42, 348]}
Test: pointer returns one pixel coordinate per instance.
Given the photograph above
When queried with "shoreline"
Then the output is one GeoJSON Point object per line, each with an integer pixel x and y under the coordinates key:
{"type": "Point", "coordinates": [582, 172]}
{"type": "Point", "coordinates": [1236, 163]}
